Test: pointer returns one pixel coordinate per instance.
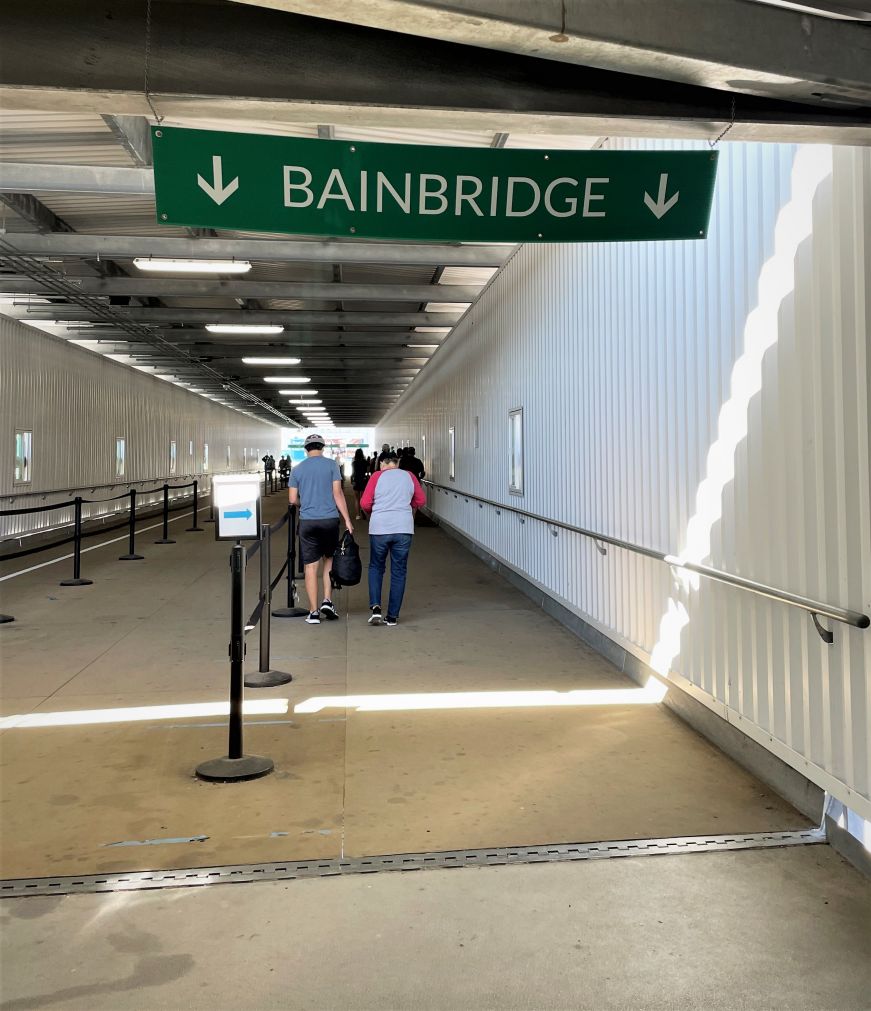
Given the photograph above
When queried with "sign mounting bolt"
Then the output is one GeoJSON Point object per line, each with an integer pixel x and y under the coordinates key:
{"type": "Point", "coordinates": [163, 217]}
{"type": "Point", "coordinates": [158, 133]}
{"type": "Point", "coordinates": [353, 148]}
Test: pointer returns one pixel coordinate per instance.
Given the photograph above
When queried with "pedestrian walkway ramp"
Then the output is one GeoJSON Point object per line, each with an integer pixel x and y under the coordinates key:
{"type": "Point", "coordinates": [477, 722]}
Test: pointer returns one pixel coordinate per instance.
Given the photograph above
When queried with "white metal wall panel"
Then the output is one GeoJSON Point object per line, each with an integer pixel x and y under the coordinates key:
{"type": "Point", "coordinates": [77, 403]}
{"type": "Point", "coordinates": [629, 361]}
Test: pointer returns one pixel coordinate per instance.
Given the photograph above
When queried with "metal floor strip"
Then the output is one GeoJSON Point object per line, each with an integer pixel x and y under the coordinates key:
{"type": "Point", "coordinates": [491, 857]}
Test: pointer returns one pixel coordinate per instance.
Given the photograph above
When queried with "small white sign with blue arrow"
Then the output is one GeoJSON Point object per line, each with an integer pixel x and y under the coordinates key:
{"type": "Point", "coordinates": [236, 501]}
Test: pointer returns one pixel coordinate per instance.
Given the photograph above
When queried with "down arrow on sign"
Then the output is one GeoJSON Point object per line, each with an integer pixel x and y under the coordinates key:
{"type": "Point", "coordinates": [218, 191]}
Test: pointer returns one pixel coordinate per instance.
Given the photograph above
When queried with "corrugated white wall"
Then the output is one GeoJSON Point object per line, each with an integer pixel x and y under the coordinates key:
{"type": "Point", "coordinates": [709, 398]}
{"type": "Point", "coordinates": [77, 403]}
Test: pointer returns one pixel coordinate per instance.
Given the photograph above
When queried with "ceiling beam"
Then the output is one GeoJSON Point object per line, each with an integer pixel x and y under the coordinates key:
{"type": "Point", "coordinates": [290, 68]}
{"type": "Point", "coordinates": [284, 317]}
{"type": "Point", "coordinates": [289, 250]}
{"type": "Point", "coordinates": [34, 212]}
{"type": "Point", "coordinates": [195, 287]}
{"type": "Point", "coordinates": [134, 133]}
{"type": "Point", "coordinates": [759, 50]}
{"type": "Point", "coordinates": [36, 177]}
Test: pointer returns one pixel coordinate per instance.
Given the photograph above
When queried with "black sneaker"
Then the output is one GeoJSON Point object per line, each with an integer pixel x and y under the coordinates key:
{"type": "Point", "coordinates": [329, 611]}
{"type": "Point", "coordinates": [390, 620]}
{"type": "Point", "coordinates": [313, 619]}
{"type": "Point", "coordinates": [375, 617]}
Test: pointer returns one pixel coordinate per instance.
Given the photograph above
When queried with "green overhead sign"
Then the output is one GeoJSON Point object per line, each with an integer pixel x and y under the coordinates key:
{"type": "Point", "coordinates": [252, 182]}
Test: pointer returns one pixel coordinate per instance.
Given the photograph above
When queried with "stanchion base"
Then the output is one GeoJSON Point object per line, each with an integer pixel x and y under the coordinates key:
{"type": "Point", "coordinates": [267, 679]}
{"type": "Point", "coordinates": [194, 530]}
{"type": "Point", "coordinates": [129, 558]}
{"type": "Point", "coordinates": [5, 619]}
{"type": "Point", "coordinates": [208, 521]}
{"type": "Point", "coordinates": [77, 582]}
{"type": "Point", "coordinates": [290, 612]}
{"type": "Point", "coordinates": [227, 770]}
{"type": "Point", "coordinates": [165, 540]}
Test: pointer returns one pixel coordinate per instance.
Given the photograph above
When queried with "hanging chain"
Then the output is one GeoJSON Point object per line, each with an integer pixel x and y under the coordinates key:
{"type": "Point", "coordinates": [714, 143]}
{"type": "Point", "coordinates": [157, 116]}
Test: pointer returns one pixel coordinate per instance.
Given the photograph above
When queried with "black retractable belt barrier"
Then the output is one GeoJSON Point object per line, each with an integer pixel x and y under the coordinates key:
{"type": "Point", "coordinates": [131, 555]}
{"type": "Point", "coordinates": [77, 550]}
{"type": "Point", "coordinates": [165, 539]}
{"type": "Point", "coordinates": [5, 619]}
{"type": "Point", "coordinates": [291, 611]}
{"type": "Point", "coordinates": [195, 527]}
{"type": "Point", "coordinates": [265, 676]}
{"type": "Point", "coordinates": [211, 518]}
{"type": "Point", "coordinates": [235, 765]}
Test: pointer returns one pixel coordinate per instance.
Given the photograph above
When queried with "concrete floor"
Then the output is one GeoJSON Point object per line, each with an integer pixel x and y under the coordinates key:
{"type": "Point", "coordinates": [784, 929]}
{"type": "Point", "coordinates": [347, 781]}
{"type": "Point", "coordinates": [775, 928]}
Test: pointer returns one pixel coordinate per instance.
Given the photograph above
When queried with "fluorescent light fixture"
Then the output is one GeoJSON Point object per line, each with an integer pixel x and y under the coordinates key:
{"type": "Point", "coordinates": [301, 393]}
{"type": "Point", "coordinates": [176, 265]}
{"type": "Point", "coordinates": [423, 345]}
{"type": "Point", "coordinates": [432, 329]}
{"type": "Point", "coordinates": [271, 361]}
{"type": "Point", "coordinates": [303, 403]}
{"type": "Point", "coordinates": [286, 379]}
{"type": "Point", "coordinates": [243, 328]}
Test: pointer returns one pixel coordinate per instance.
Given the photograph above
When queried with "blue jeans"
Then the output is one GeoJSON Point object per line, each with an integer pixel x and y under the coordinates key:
{"type": "Point", "coordinates": [380, 546]}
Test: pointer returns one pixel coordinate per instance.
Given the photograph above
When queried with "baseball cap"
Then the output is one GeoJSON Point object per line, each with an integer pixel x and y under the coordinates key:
{"type": "Point", "coordinates": [314, 440]}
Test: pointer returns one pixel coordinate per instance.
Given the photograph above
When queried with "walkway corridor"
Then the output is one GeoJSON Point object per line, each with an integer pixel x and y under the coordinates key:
{"type": "Point", "coordinates": [371, 775]}
{"type": "Point", "coordinates": [384, 771]}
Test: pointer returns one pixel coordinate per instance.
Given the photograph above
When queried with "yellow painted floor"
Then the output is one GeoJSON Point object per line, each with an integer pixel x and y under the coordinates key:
{"type": "Point", "coordinates": [348, 781]}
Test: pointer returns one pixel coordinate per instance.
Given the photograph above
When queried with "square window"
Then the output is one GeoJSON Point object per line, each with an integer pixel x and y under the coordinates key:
{"type": "Point", "coordinates": [23, 457]}
{"type": "Point", "coordinates": [515, 451]}
{"type": "Point", "coordinates": [120, 458]}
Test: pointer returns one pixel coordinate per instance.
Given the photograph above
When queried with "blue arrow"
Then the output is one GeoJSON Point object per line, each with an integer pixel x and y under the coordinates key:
{"type": "Point", "coordinates": [242, 514]}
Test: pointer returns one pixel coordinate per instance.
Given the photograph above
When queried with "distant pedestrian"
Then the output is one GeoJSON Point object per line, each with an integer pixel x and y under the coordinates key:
{"type": "Point", "coordinates": [391, 498]}
{"type": "Point", "coordinates": [283, 471]}
{"type": "Point", "coordinates": [411, 463]}
{"type": "Point", "coordinates": [316, 485]}
{"type": "Point", "coordinates": [359, 477]}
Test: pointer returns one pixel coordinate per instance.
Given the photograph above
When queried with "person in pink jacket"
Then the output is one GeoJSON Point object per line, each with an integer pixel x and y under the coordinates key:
{"type": "Point", "coordinates": [391, 499]}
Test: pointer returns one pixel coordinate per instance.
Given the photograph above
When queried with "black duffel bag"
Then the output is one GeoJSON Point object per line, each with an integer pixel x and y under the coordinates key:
{"type": "Point", "coordinates": [347, 566]}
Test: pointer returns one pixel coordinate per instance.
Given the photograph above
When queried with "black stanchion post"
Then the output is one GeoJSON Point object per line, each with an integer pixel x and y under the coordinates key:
{"type": "Point", "coordinates": [131, 555]}
{"type": "Point", "coordinates": [235, 764]}
{"type": "Point", "coordinates": [77, 550]}
{"type": "Point", "coordinates": [195, 527]}
{"type": "Point", "coordinates": [166, 538]}
{"type": "Point", "coordinates": [266, 677]}
{"type": "Point", "coordinates": [211, 518]}
{"type": "Point", "coordinates": [291, 611]}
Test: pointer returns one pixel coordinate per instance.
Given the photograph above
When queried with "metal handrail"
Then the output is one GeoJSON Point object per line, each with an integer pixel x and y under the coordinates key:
{"type": "Point", "coordinates": [816, 608]}
{"type": "Point", "coordinates": [69, 489]}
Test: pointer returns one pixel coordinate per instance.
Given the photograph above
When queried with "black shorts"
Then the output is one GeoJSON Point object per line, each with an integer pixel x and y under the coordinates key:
{"type": "Point", "coordinates": [318, 539]}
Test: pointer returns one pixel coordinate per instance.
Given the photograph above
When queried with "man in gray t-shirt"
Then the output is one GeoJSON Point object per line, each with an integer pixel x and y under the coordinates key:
{"type": "Point", "coordinates": [316, 485]}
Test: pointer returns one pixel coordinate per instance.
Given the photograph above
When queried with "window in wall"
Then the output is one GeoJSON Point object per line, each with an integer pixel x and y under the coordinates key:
{"type": "Point", "coordinates": [23, 448]}
{"type": "Point", "coordinates": [452, 450]}
{"type": "Point", "coordinates": [120, 458]}
{"type": "Point", "coordinates": [476, 429]}
{"type": "Point", "coordinates": [244, 458]}
{"type": "Point", "coordinates": [515, 451]}
{"type": "Point", "coordinates": [191, 450]}
{"type": "Point", "coordinates": [205, 457]}
{"type": "Point", "coordinates": [228, 457]}
{"type": "Point", "coordinates": [172, 456]}
{"type": "Point", "coordinates": [423, 451]}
